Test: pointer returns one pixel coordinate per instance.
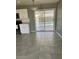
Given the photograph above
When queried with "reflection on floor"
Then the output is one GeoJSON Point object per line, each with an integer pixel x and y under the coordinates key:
{"type": "Point", "coordinates": [40, 45]}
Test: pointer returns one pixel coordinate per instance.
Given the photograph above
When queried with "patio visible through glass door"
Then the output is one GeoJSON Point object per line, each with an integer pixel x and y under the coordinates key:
{"type": "Point", "coordinates": [44, 20]}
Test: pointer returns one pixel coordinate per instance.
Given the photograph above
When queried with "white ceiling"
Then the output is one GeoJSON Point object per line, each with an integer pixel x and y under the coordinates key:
{"type": "Point", "coordinates": [29, 2]}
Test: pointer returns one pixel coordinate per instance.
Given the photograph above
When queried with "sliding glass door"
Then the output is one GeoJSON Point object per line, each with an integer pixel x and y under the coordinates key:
{"type": "Point", "coordinates": [39, 18]}
{"type": "Point", "coordinates": [44, 20]}
{"type": "Point", "coordinates": [49, 20]}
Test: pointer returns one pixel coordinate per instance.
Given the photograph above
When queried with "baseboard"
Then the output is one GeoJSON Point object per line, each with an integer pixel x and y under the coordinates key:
{"type": "Point", "coordinates": [33, 31]}
{"type": "Point", "coordinates": [58, 34]}
{"type": "Point", "coordinates": [43, 31]}
{"type": "Point", "coordinates": [54, 31]}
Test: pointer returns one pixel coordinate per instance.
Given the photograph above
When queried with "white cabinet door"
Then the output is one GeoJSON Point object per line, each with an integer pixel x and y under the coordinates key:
{"type": "Point", "coordinates": [24, 28]}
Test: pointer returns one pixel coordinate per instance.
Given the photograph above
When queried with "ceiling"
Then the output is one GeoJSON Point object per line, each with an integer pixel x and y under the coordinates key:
{"type": "Point", "coordinates": [37, 2]}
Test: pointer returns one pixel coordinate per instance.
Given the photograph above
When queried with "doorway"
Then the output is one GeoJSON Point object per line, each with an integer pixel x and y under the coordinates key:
{"type": "Point", "coordinates": [44, 19]}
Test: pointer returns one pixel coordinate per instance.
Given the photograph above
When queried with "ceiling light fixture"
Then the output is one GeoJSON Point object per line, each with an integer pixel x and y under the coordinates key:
{"type": "Point", "coordinates": [34, 8]}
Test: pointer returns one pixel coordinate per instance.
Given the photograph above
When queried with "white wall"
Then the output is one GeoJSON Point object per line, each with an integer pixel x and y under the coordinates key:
{"type": "Point", "coordinates": [32, 20]}
{"type": "Point", "coordinates": [59, 19]}
{"type": "Point", "coordinates": [23, 15]}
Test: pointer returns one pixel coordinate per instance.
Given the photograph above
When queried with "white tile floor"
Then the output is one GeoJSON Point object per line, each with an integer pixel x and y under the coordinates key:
{"type": "Point", "coordinates": [40, 45]}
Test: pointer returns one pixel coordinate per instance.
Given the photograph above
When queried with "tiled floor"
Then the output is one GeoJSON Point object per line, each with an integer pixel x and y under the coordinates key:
{"type": "Point", "coordinates": [40, 45]}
